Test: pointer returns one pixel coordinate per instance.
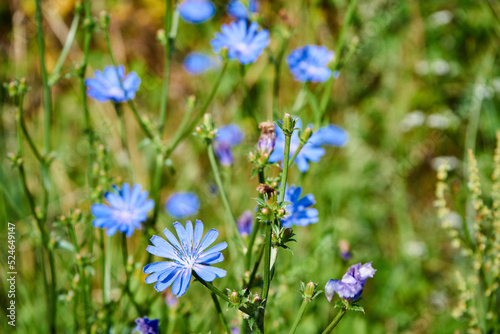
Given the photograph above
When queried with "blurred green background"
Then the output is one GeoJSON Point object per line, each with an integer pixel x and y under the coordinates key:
{"type": "Point", "coordinates": [423, 83]}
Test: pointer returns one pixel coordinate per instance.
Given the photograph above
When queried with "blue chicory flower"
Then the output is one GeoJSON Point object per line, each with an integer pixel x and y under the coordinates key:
{"type": "Point", "coordinates": [196, 11]}
{"type": "Point", "coordinates": [127, 210]}
{"type": "Point", "coordinates": [299, 212]}
{"type": "Point", "coordinates": [182, 204]}
{"type": "Point", "coordinates": [106, 86]}
{"type": "Point", "coordinates": [237, 9]}
{"type": "Point", "coordinates": [146, 326]}
{"type": "Point", "coordinates": [227, 137]}
{"type": "Point", "coordinates": [245, 223]}
{"type": "Point", "coordinates": [309, 63]}
{"type": "Point", "coordinates": [188, 255]}
{"type": "Point", "coordinates": [197, 63]}
{"type": "Point", "coordinates": [352, 283]}
{"type": "Point", "coordinates": [312, 150]}
{"type": "Point", "coordinates": [242, 40]}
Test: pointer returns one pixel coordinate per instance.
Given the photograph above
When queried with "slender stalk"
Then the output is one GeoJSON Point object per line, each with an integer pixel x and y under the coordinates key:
{"type": "Point", "coordinates": [256, 265]}
{"type": "Point", "coordinates": [123, 139]}
{"type": "Point", "coordinates": [255, 230]}
{"type": "Point", "coordinates": [338, 52]}
{"type": "Point", "coordinates": [267, 261]}
{"type": "Point", "coordinates": [183, 132]}
{"type": "Point", "coordinates": [127, 275]}
{"type": "Point", "coordinates": [298, 317]}
{"type": "Point", "coordinates": [47, 99]}
{"type": "Point", "coordinates": [171, 24]}
{"type": "Point", "coordinates": [54, 76]}
{"type": "Point", "coordinates": [233, 228]}
{"type": "Point", "coordinates": [219, 312]}
{"type": "Point", "coordinates": [335, 321]}
{"type": "Point", "coordinates": [219, 293]}
{"type": "Point", "coordinates": [31, 144]}
{"type": "Point", "coordinates": [286, 162]}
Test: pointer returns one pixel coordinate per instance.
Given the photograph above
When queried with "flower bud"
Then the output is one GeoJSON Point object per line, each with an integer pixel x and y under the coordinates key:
{"type": "Point", "coordinates": [266, 190]}
{"type": "Point", "coordinates": [235, 299]}
{"type": "Point", "coordinates": [265, 211]}
{"type": "Point", "coordinates": [208, 121]}
{"type": "Point", "coordinates": [287, 124]}
{"type": "Point", "coordinates": [267, 139]}
{"type": "Point", "coordinates": [309, 290]}
{"type": "Point", "coordinates": [191, 102]}
{"type": "Point", "coordinates": [306, 134]}
{"type": "Point", "coordinates": [104, 19]}
{"type": "Point", "coordinates": [287, 234]}
{"type": "Point", "coordinates": [256, 299]}
{"type": "Point", "coordinates": [161, 37]}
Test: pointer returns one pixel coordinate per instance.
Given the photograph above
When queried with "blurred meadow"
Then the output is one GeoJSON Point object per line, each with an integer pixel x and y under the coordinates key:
{"type": "Point", "coordinates": [418, 82]}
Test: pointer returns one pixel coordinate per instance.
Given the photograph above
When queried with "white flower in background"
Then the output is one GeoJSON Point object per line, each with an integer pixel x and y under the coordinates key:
{"type": "Point", "coordinates": [440, 67]}
{"type": "Point", "coordinates": [412, 120]}
{"type": "Point", "coordinates": [441, 18]}
{"type": "Point", "coordinates": [453, 162]}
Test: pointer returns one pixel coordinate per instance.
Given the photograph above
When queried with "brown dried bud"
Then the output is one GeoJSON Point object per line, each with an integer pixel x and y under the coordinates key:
{"type": "Point", "coordinates": [266, 189]}
{"type": "Point", "coordinates": [267, 138]}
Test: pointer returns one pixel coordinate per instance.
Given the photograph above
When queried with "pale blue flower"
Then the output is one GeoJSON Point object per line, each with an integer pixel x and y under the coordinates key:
{"type": "Point", "coordinates": [146, 326]}
{"type": "Point", "coordinates": [312, 150]}
{"type": "Point", "coordinates": [196, 11]}
{"type": "Point", "coordinates": [245, 223]}
{"type": "Point", "coordinates": [299, 212]}
{"type": "Point", "coordinates": [127, 210]}
{"type": "Point", "coordinates": [242, 40]}
{"type": "Point", "coordinates": [238, 10]}
{"type": "Point", "coordinates": [227, 137]}
{"type": "Point", "coordinates": [187, 255]}
{"type": "Point", "coordinates": [182, 204]}
{"type": "Point", "coordinates": [197, 63]}
{"type": "Point", "coordinates": [310, 63]}
{"type": "Point", "coordinates": [352, 283]}
{"type": "Point", "coordinates": [106, 85]}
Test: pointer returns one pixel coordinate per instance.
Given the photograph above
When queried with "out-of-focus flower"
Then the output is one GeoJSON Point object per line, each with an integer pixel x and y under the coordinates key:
{"type": "Point", "coordinates": [345, 250]}
{"type": "Point", "coordinates": [242, 40]}
{"type": "Point", "coordinates": [182, 204]}
{"type": "Point", "coordinates": [312, 150]}
{"type": "Point", "coordinates": [309, 63]}
{"type": "Point", "coordinates": [196, 11]}
{"type": "Point", "coordinates": [245, 223]}
{"type": "Point", "coordinates": [188, 255]}
{"type": "Point", "coordinates": [412, 120]}
{"type": "Point", "coordinates": [112, 85]}
{"type": "Point", "coordinates": [352, 283]}
{"type": "Point", "coordinates": [440, 18]}
{"type": "Point", "coordinates": [267, 139]}
{"type": "Point", "coordinates": [197, 63]}
{"type": "Point", "coordinates": [227, 137]}
{"type": "Point", "coordinates": [146, 326]}
{"type": "Point", "coordinates": [238, 10]}
{"type": "Point", "coordinates": [126, 211]}
{"type": "Point", "coordinates": [453, 162]}
{"type": "Point", "coordinates": [299, 212]}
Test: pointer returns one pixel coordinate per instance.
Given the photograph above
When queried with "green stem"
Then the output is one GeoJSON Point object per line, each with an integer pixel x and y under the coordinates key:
{"type": "Point", "coordinates": [123, 139]}
{"type": "Point", "coordinates": [255, 229]}
{"type": "Point", "coordinates": [232, 228]}
{"type": "Point", "coordinates": [171, 24]}
{"type": "Point", "coordinates": [276, 82]}
{"type": "Point", "coordinates": [256, 265]}
{"type": "Point", "coordinates": [219, 293]}
{"type": "Point", "coordinates": [183, 132]}
{"type": "Point", "coordinates": [219, 312]}
{"type": "Point", "coordinates": [127, 276]}
{"type": "Point", "coordinates": [47, 99]}
{"type": "Point", "coordinates": [267, 260]}
{"type": "Point", "coordinates": [286, 162]}
{"type": "Point", "coordinates": [335, 321]}
{"type": "Point", "coordinates": [338, 52]}
{"type": "Point", "coordinates": [298, 317]}
{"type": "Point", "coordinates": [54, 76]}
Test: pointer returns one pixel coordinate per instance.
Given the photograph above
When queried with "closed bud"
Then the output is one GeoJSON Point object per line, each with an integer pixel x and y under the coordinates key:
{"type": "Point", "coordinates": [190, 102]}
{"type": "Point", "coordinates": [12, 89]}
{"type": "Point", "coordinates": [256, 299]}
{"type": "Point", "coordinates": [266, 190]}
{"type": "Point", "coordinates": [235, 299]}
{"type": "Point", "coordinates": [265, 211]}
{"type": "Point", "coordinates": [310, 290]}
{"type": "Point", "coordinates": [208, 121]}
{"type": "Point", "coordinates": [78, 7]}
{"type": "Point", "coordinates": [287, 124]}
{"type": "Point", "coordinates": [104, 19]}
{"type": "Point", "coordinates": [198, 129]}
{"type": "Point", "coordinates": [306, 134]}
{"type": "Point", "coordinates": [161, 36]}
{"type": "Point", "coordinates": [287, 234]}
{"type": "Point", "coordinates": [282, 211]}
{"type": "Point", "coordinates": [267, 139]}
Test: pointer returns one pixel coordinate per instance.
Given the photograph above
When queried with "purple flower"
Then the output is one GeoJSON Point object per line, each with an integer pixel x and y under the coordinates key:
{"type": "Point", "coordinates": [242, 40]}
{"type": "Point", "coordinates": [126, 211]}
{"type": "Point", "coordinates": [146, 326]}
{"type": "Point", "coordinates": [181, 204]}
{"type": "Point", "coordinates": [197, 63]}
{"type": "Point", "coordinates": [245, 223]}
{"type": "Point", "coordinates": [299, 212]}
{"type": "Point", "coordinates": [187, 255]}
{"type": "Point", "coordinates": [267, 139]}
{"type": "Point", "coordinates": [238, 10]}
{"type": "Point", "coordinates": [352, 283]}
{"type": "Point", "coordinates": [113, 85]}
{"type": "Point", "coordinates": [309, 63]}
{"type": "Point", "coordinates": [196, 11]}
{"type": "Point", "coordinates": [312, 150]}
{"type": "Point", "coordinates": [227, 137]}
